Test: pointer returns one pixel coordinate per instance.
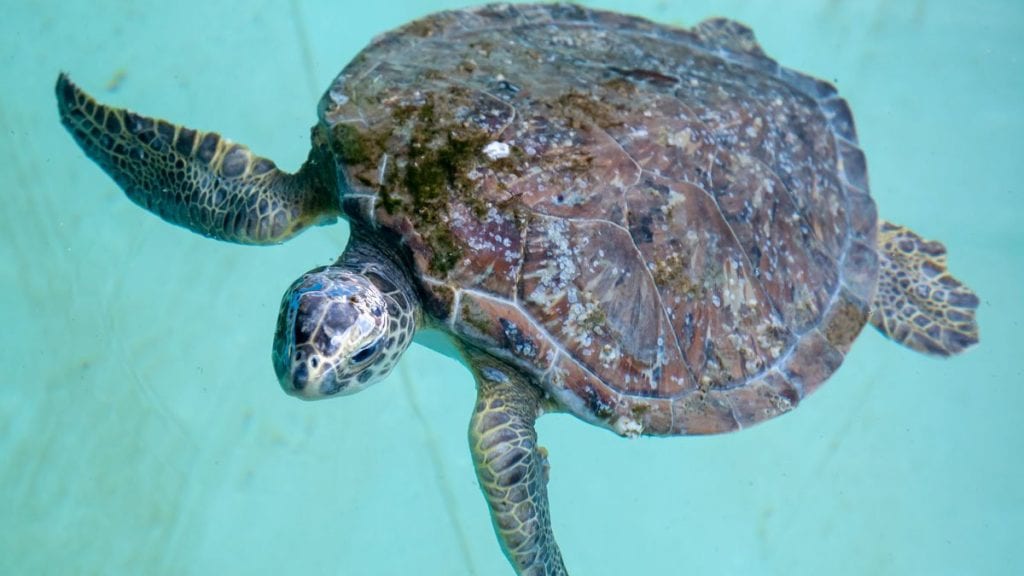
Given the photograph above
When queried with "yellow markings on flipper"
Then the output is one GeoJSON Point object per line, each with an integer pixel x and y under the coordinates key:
{"type": "Point", "coordinates": [919, 303]}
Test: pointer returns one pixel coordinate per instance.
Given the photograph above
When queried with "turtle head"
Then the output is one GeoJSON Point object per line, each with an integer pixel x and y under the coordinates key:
{"type": "Point", "coordinates": [331, 335]}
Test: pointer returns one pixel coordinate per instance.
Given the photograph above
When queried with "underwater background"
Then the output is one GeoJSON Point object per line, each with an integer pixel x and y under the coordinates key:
{"type": "Point", "coordinates": [142, 430]}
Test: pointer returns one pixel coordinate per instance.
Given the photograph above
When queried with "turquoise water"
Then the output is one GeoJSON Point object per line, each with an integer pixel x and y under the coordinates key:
{"type": "Point", "coordinates": [142, 430]}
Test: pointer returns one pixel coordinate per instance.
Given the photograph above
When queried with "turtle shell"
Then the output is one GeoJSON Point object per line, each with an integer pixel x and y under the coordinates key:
{"type": "Point", "coordinates": [670, 231]}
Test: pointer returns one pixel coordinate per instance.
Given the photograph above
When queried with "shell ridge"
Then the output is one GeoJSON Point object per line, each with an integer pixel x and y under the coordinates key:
{"type": "Point", "coordinates": [750, 266]}
{"type": "Point", "coordinates": [629, 186]}
{"type": "Point", "coordinates": [521, 263]}
{"type": "Point", "coordinates": [746, 259]}
{"type": "Point", "coordinates": [803, 221]}
{"type": "Point", "coordinates": [756, 279]}
{"type": "Point", "coordinates": [780, 362]}
{"type": "Point", "coordinates": [784, 361]}
{"type": "Point", "coordinates": [657, 292]}
{"type": "Point", "coordinates": [647, 272]}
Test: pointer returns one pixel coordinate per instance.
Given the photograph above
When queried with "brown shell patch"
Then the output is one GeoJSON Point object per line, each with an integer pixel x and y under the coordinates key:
{"type": "Point", "coordinates": [721, 316]}
{"type": "Point", "coordinates": [578, 170]}
{"type": "Point", "coordinates": [492, 248]}
{"type": "Point", "coordinates": [766, 397]}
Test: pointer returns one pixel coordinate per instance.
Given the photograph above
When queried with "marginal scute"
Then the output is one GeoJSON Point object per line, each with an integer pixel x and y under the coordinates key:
{"type": "Point", "coordinates": [653, 416]}
{"type": "Point", "coordinates": [853, 165]}
{"type": "Point", "coordinates": [582, 392]}
{"type": "Point", "coordinates": [765, 397]}
{"type": "Point", "coordinates": [495, 324]}
{"type": "Point", "coordinates": [863, 216]}
{"type": "Point", "coordinates": [860, 270]}
{"type": "Point", "coordinates": [839, 118]}
{"type": "Point", "coordinates": [813, 360]}
{"type": "Point", "coordinates": [813, 87]}
{"type": "Point", "coordinates": [702, 413]}
{"type": "Point", "coordinates": [844, 320]}
{"type": "Point", "coordinates": [737, 40]}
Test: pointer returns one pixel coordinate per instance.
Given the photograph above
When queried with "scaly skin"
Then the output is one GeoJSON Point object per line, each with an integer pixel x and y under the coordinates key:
{"type": "Point", "coordinates": [919, 304]}
{"type": "Point", "coordinates": [511, 468]}
{"type": "Point", "coordinates": [198, 180]}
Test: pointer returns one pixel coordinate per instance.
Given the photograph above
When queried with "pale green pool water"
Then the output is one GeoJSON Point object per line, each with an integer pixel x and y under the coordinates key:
{"type": "Point", "coordinates": [142, 430]}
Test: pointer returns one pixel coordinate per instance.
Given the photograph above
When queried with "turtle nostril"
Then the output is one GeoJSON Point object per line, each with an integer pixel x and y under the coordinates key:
{"type": "Point", "coordinates": [314, 362]}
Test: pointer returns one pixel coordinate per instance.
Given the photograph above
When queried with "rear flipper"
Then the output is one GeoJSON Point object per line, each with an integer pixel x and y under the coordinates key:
{"type": "Point", "coordinates": [919, 304]}
{"type": "Point", "coordinates": [198, 180]}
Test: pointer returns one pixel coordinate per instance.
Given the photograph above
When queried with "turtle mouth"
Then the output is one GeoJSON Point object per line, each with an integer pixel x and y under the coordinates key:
{"type": "Point", "coordinates": [307, 362]}
{"type": "Point", "coordinates": [308, 377]}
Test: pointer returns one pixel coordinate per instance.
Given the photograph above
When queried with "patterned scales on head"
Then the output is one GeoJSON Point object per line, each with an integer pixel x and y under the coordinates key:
{"type": "Point", "coordinates": [672, 232]}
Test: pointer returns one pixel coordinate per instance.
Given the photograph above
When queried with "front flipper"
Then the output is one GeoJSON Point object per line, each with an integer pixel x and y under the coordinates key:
{"type": "Point", "coordinates": [198, 180]}
{"type": "Point", "coordinates": [511, 468]}
{"type": "Point", "coordinates": [918, 303]}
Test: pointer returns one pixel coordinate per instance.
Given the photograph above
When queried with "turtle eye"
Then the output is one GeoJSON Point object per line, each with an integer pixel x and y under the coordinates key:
{"type": "Point", "coordinates": [366, 353]}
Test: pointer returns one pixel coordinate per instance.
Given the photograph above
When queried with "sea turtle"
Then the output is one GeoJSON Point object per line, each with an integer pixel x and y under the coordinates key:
{"type": "Point", "coordinates": [658, 230]}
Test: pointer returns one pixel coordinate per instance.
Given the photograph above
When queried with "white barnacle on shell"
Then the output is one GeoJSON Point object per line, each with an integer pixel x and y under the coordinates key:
{"type": "Point", "coordinates": [628, 427]}
{"type": "Point", "coordinates": [496, 150]}
{"type": "Point", "coordinates": [337, 94]}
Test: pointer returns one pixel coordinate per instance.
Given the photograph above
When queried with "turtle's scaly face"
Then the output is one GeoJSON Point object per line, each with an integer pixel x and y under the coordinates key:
{"type": "Point", "coordinates": [330, 332]}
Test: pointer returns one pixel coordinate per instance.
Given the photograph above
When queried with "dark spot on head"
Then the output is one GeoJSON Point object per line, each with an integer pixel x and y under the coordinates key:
{"type": "Point", "coordinates": [364, 354]}
{"type": "Point", "coordinates": [382, 284]}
